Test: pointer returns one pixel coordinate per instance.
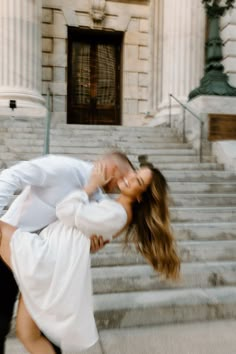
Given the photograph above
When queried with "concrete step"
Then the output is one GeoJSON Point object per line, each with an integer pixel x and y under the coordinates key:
{"type": "Point", "coordinates": [203, 214]}
{"type": "Point", "coordinates": [88, 138]}
{"type": "Point", "coordinates": [144, 278]}
{"type": "Point", "coordinates": [204, 166]}
{"type": "Point", "coordinates": [168, 163]}
{"type": "Point", "coordinates": [12, 158]}
{"type": "Point", "coordinates": [114, 254]}
{"type": "Point", "coordinates": [65, 131]}
{"type": "Point", "coordinates": [37, 123]}
{"type": "Point", "coordinates": [95, 151]}
{"type": "Point", "coordinates": [181, 166]}
{"type": "Point", "coordinates": [77, 143]}
{"type": "Point", "coordinates": [195, 176]}
{"type": "Point", "coordinates": [201, 232]}
{"type": "Point", "coordinates": [202, 187]}
{"type": "Point", "coordinates": [201, 200]}
{"type": "Point", "coordinates": [204, 232]}
{"type": "Point", "coordinates": [161, 307]}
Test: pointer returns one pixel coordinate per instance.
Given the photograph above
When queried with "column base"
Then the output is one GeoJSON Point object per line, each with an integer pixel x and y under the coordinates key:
{"type": "Point", "coordinates": [29, 103]}
{"type": "Point", "coordinates": [214, 83]}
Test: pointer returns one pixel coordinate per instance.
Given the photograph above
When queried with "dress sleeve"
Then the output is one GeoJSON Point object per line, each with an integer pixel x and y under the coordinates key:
{"type": "Point", "coordinates": [104, 218]}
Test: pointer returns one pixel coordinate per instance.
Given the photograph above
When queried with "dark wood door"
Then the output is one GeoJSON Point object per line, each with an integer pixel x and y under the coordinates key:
{"type": "Point", "coordinates": [94, 75]}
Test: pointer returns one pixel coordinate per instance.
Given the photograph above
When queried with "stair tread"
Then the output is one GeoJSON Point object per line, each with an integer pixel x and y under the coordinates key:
{"type": "Point", "coordinates": [181, 297]}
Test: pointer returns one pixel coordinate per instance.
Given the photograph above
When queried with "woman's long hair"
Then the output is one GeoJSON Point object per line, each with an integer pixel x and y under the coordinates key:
{"type": "Point", "coordinates": [150, 229]}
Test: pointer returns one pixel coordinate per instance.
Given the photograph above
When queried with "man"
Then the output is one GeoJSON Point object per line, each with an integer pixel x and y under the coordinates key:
{"type": "Point", "coordinates": [44, 183]}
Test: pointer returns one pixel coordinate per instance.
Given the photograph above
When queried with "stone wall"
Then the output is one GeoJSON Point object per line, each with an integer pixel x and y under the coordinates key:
{"type": "Point", "coordinates": [130, 17]}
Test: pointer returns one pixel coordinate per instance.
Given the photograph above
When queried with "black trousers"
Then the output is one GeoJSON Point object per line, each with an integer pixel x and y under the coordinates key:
{"type": "Point", "coordinates": [8, 295]}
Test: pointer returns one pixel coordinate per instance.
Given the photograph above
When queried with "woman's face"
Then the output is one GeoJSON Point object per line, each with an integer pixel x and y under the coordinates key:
{"type": "Point", "coordinates": [135, 182]}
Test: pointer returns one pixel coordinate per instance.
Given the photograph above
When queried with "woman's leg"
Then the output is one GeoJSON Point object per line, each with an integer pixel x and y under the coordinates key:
{"type": "Point", "coordinates": [29, 334]}
{"type": "Point", "coordinates": [6, 232]}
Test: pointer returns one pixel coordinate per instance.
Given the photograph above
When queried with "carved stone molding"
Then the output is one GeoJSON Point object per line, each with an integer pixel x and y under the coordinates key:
{"type": "Point", "coordinates": [98, 10]}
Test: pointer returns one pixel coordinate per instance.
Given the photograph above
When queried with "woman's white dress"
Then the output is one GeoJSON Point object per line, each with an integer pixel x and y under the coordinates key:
{"type": "Point", "coordinates": [53, 270]}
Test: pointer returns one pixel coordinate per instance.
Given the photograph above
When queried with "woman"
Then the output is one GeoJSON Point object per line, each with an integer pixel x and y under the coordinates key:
{"type": "Point", "coordinates": [53, 268]}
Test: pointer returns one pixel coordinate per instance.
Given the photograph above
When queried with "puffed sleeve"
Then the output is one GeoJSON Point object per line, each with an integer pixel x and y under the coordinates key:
{"type": "Point", "coordinates": [104, 218]}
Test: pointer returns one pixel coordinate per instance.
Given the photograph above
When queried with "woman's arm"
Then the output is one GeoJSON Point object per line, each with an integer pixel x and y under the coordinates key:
{"type": "Point", "coordinates": [105, 218]}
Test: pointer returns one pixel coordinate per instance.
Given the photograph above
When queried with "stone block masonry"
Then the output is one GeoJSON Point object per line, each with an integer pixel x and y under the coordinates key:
{"type": "Point", "coordinates": [132, 19]}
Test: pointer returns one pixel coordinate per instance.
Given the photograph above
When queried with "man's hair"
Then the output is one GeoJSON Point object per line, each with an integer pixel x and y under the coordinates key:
{"type": "Point", "coordinates": [119, 156]}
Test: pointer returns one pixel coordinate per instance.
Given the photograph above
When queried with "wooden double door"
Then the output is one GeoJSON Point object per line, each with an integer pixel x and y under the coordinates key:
{"type": "Point", "coordinates": [94, 77]}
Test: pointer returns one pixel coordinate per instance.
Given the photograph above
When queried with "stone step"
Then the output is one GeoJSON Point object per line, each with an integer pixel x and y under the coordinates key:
{"type": "Point", "coordinates": [167, 166]}
{"type": "Point", "coordinates": [204, 232]}
{"type": "Point", "coordinates": [203, 214]}
{"type": "Point", "coordinates": [114, 254]}
{"type": "Point", "coordinates": [201, 232]}
{"type": "Point", "coordinates": [65, 131]}
{"type": "Point", "coordinates": [166, 306]}
{"type": "Point", "coordinates": [202, 187]}
{"type": "Point", "coordinates": [88, 138]}
{"type": "Point", "coordinates": [144, 278]}
{"type": "Point", "coordinates": [94, 151]}
{"type": "Point", "coordinates": [206, 176]}
{"type": "Point", "coordinates": [112, 127]}
{"type": "Point", "coordinates": [77, 143]}
{"type": "Point", "coordinates": [12, 158]}
{"type": "Point", "coordinates": [201, 200]}
{"type": "Point", "coordinates": [204, 166]}
{"type": "Point", "coordinates": [164, 164]}
{"type": "Point", "coordinates": [81, 127]}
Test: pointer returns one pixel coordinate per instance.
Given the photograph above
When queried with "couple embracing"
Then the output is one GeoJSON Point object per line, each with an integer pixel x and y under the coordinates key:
{"type": "Point", "coordinates": [68, 200]}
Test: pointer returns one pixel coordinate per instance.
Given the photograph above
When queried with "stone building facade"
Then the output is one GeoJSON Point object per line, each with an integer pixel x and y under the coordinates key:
{"type": "Point", "coordinates": [162, 52]}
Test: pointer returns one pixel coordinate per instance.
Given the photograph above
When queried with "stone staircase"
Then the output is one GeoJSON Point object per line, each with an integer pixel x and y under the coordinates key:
{"type": "Point", "coordinates": [127, 292]}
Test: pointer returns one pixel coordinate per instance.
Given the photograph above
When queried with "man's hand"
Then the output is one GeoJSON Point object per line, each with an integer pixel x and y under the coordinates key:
{"type": "Point", "coordinates": [98, 178]}
{"type": "Point", "coordinates": [97, 243]}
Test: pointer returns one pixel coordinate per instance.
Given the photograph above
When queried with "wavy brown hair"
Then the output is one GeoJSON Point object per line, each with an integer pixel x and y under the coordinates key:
{"type": "Point", "coordinates": [150, 229]}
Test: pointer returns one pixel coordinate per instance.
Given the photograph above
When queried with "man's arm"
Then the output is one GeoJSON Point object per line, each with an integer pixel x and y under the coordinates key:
{"type": "Point", "coordinates": [19, 176]}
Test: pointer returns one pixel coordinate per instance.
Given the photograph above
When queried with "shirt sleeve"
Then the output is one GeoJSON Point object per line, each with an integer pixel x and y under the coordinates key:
{"type": "Point", "coordinates": [18, 177]}
{"type": "Point", "coordinates": [104, 218]}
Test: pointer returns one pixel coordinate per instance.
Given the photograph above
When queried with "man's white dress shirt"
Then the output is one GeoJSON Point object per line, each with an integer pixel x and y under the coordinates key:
{"type": "Point", "coordinates": [45, 181]}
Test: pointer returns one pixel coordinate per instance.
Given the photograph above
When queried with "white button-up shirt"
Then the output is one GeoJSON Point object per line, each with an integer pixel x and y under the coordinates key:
{"type": "Point", "coordinates": [45, 182]}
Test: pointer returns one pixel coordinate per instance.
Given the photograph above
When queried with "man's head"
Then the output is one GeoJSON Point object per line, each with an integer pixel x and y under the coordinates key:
{"type": "Point", "coordinates": [117, 166]}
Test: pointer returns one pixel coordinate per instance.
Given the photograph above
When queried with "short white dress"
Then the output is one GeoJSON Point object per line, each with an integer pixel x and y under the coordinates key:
{"type": "Point", "coordinates": [53, 270]}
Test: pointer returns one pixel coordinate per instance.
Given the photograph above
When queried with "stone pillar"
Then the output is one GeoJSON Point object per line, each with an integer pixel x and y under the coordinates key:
{"type": "Point", "coordinates": [183, 39]}
{"type": "Point", "coordinates": [228, 35]}
{"type": "Point", "coordinates": [20, 60]}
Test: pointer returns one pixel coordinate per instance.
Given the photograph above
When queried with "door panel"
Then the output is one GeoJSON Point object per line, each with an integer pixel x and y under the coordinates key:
{"type": "Point", "coordinates": [94, 77]}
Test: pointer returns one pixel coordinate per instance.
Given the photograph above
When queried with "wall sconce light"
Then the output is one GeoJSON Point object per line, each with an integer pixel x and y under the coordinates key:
{"type": "Point", "coordinates": [12, 104]}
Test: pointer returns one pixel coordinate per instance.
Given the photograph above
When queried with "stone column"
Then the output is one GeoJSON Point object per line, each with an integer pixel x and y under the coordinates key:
{"type": "Point", "coordinates": [183, 39]}
{"type": "Point", "coordinates": [20, 60]}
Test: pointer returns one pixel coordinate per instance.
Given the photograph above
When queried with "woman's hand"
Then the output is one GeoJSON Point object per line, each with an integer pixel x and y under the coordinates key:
{"type": "Point", "coordinates": [97, 179]}
{"type": "Point", "coordinates": [97, 243]}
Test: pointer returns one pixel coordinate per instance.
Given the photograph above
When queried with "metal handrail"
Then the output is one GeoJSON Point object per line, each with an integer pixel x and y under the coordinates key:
{"type": "Point", "coordinates": [46, 147]}
{"type": "Point", "coordinates": [186, 108]}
